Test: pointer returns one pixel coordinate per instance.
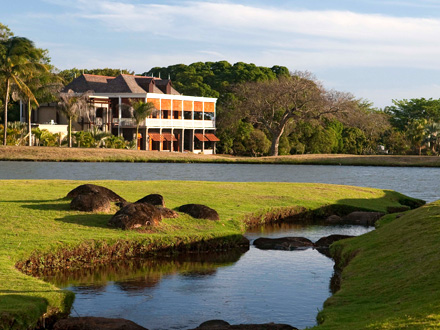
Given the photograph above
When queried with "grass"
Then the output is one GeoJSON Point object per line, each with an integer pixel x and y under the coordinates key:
{"type": "Point", "coordinates": [391, 276]}
{"type": "Point", "coordinates": [56, 154]}
{"type": "Point", "coordinates": [39, 231]}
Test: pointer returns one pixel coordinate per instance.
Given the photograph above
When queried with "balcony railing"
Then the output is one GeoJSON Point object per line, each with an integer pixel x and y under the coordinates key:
{"type": "Point", "coordinates": [167, 123]}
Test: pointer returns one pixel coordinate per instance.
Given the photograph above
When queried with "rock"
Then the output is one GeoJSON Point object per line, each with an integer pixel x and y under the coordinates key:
{"type": "Point", "coordinates": [154, 199]}
{"type": "Point", "coordinates": [325, 242]}
{"type": "Point", "coordinates": [200, 211]}
{"type": "Point", "coordinates": [91, 188]}
{"type": "Point", "coordinates": [92, 202]}
{"type": "Point", "coordinates": [96, 323]}
{"type": "Point", "coordinates": [397, 209]}
{"type": "Point", "coordinates": [213, 324]}
{"type": "Point", "coordinates": [284, 243]}
{"type": "Point", "coordinates": [362, 218]}
{"type": "Point", "coordinates": [167, 213]}
{"type": "Point", "coordinates": [136, 215]}
{"type": "Point", "coordinates": [333, 220]}
{"type": "Point", "coordinates": [223, 325]}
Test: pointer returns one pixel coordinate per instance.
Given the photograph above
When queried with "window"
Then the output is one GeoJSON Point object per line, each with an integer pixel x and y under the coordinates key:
{"type": "Point", "coordinates": [187, 114]}
{"type": "Point", "coordinates": [198, 115]}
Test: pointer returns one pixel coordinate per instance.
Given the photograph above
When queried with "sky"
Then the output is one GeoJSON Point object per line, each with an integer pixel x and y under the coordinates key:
{"type": "Point", "coordinates": [378, 50]}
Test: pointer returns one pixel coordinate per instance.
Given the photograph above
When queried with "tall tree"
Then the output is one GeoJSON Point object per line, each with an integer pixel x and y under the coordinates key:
{"type": "Point", "coordinates": [74, 105]}
{"type": "Point", "coordinates": [18, 56]}
{"type": "Point", "coordinates": [273, 104]}
{"type": "Point", "coordinates": [141, 110]}
{"type": "Point", "coordinates": [44, 85]}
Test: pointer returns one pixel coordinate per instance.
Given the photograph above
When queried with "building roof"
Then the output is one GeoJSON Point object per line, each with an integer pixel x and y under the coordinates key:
{"type": "Point", "coordinates": [123, 83]}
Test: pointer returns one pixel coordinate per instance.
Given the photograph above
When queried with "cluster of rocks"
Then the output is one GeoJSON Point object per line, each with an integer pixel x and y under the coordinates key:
{"type": "Point", "coordinates": [359, 218]}
{"type": "Point", "coordinates": [298, 243]}
{"type": "Point", "coordinates": [101, 323]}
{"type": "Point", "coordinates": [147, 211]}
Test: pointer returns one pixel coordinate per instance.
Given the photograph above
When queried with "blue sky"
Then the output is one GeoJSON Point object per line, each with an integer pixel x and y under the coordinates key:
{"type": "Point", "coordinates": [377, 50]}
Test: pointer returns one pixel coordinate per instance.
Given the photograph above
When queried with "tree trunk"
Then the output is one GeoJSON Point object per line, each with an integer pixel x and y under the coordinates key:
{"type": "Point", "coordinates": [70, 132]}
{"type": "Point", "coordinates": [276, 141]}
{"type": "Point", "coordinates": [5, 134]}
{"type": "Point", "coordinates": [29, 122]}
{"type": "Point", "coordinates": [137, 133]}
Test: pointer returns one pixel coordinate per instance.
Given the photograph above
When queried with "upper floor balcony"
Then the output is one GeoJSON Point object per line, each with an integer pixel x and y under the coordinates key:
{"type": "Point", "coordinates": [167, 123]}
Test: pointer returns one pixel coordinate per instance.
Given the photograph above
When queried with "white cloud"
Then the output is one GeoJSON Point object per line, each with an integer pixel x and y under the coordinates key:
{"type": "Point", "coordinates": [312, 37]}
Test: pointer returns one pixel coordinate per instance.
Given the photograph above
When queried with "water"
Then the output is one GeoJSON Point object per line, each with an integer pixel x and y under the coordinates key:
{"type": "Point", "coordinates": [416, 182]}
{"type": "Point", "coordinates": [258, 286]}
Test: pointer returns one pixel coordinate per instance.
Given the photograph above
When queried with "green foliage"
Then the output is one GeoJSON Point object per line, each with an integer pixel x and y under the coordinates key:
{"type": "Point", "coordinates": [403, 112]}
{"type": "Point", "coordinates": [70, 74]}
{"type": "Point", "coordinates": [212, 79]}
{"type": "Point", "coordinates": [16, 134]}
{"type": "Point", "coordinates": [115, 142]}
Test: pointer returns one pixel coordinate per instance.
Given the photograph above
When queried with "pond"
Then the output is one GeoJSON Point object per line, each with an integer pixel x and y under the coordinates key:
{"type": "Point", "coordinates": [416, 182]}
{"type": "Point", "coordinates": [257, 286]}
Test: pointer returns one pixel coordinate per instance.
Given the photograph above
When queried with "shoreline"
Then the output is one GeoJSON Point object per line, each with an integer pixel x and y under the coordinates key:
{"type": "Point", "coordinates": [62, 154]}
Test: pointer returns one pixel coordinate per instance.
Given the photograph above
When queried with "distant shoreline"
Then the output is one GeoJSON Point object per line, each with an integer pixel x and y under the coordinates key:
{"type": "Point", "coordinates": [57, 154]}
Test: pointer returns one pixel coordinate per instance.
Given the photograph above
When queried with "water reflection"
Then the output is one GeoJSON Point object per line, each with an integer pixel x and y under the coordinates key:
{"type": "Point", "coordinates": [257, 286]}
{"type": "Point", "coordinates": [138, 274]}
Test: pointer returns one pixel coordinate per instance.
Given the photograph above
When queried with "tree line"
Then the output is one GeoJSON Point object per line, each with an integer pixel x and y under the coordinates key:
{"type": "Point", "coordinates": [260, 110]}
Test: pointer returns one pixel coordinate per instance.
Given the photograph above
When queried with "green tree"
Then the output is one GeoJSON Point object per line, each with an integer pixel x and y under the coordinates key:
{"type": "Point", "coordinates": [73, 105]}
{"type": "Point", "coordinates": [273, 104]}
{"type": "Point", "coordinates": [416, 133]}
{"type": "Point", "coordinates": [18, 56]}
{"type": "Point", "coordinates": [141, 110]}
{"type": "Point", "coordinates": [402, 112]}
{"type": "Point", "coordinates": [70, 74]}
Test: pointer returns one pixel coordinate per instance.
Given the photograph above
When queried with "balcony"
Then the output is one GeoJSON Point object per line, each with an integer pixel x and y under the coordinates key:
{"type": "Point", "coordinates": [167, 123]}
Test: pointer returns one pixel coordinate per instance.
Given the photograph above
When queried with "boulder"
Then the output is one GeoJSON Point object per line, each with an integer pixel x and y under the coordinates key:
{"type": "Point", "coordinates": [333, 220]}
{"type": "Point", "coordinates": [92, 188]}
{"type": "Point", "coordinates": [96, 323]}
{"type": "Point", "coordinates": [200, 211]}
{"type": "Point", "coordinates": [136, 215]}
{"type": "Point", "coordinates": [223, 325]}
{"type": "Point", "coordinates": [167, 213]}
{"type": "Point", "coordinates": [92, 202]}
{"type": "Point", "coordinates": [362, 218]}
{"type": "Point", "coordinates": [154, 199]}
{"type": "Point", "coordinates": [283, 243]}
{"type": "Point", "coordinates": [325, 242]}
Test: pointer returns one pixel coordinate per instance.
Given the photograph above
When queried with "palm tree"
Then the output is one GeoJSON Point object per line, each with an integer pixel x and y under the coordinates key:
{"type": "Point", "coordinates": [141, 110]}
{"type": "Point", "coordinates": [73, 105]}
{"type": "Point", "coordinates": [44, 86]}
{"type": "Point", "coordinates": [18, 56]}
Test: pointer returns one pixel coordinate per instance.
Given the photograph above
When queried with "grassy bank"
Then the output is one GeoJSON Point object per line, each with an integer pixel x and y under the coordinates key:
{"type": "Point", "coordinates": [391, 276]}
{"type": "Point", "coordinates": [37, 222]}
{"type": "Point", "coordinates": [116, 155]}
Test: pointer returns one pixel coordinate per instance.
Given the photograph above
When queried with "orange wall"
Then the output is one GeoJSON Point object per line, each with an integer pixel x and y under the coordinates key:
{"type": "Point", "coordinates": [187, 105]}
{"type": "Point", "coordinates": [166, 104]}
{"type": "Point", "coordinates": [177, 105]}
{"type": "Point", "coordinates": [209, 107]}
{"type": "Point", "coordinates": [156, 103]}
{"type": "Point", "coordinates": [198, 106]}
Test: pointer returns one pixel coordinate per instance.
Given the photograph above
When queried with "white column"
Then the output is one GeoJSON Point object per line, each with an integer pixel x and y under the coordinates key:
{"type": "Point", "coordinates": [119, 116]}
{"type": "Point", "coordinates": [182, 141]}
{"type": "Point", "coordinates": [203, 142]}
{"type": "Point", "coordinates": [22, 116]}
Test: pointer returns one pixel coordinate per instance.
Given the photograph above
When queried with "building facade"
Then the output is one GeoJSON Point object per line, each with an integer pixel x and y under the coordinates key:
{"type": "Point", "coordinates": [179, 123]}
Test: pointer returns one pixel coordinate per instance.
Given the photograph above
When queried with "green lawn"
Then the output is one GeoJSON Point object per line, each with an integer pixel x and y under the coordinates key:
{"type": "Point", "coordinates": [393, 282]}
{"type": "Point", "coordinates": [37, 225]}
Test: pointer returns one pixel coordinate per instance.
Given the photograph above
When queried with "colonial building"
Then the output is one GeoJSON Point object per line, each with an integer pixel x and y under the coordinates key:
{"type": "Point", "coordinates": [179, 123]}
